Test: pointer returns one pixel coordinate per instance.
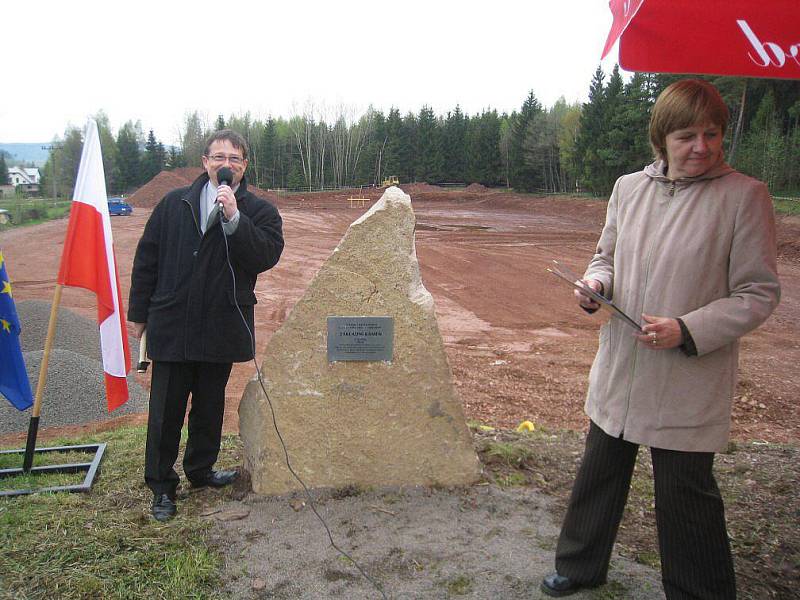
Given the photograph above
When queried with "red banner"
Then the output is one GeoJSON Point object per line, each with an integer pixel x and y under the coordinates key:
{"type": "Point", "coordinates": [623, 11]}
{"type": "Point", "coordinates": [720, 37]}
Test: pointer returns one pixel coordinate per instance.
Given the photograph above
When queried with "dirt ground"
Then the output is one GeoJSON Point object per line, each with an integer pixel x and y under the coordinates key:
{"type": "Point", "coordinates": [519, 350]}
{"type": "Point", "coordinates": [479, 542]}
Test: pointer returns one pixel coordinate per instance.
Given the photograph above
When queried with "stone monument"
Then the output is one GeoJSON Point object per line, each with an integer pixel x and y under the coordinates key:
{"type": "Point", "coordinates": [360, 422]}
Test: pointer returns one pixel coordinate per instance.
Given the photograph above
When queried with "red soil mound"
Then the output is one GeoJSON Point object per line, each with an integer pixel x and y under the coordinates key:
{"type": "Point", "coordinates": [154, 190]}
{"type": "Point", "coordinates": [476, 188]}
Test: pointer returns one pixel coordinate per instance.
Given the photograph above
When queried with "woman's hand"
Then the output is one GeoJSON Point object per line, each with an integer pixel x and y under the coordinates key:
{"type": "Point", "coordinates": [661, 333]}
{"type": "Point", "coordinates": [585, 301]}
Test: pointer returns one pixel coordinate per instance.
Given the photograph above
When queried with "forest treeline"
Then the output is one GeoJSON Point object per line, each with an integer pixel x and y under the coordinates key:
{"type": "Point", "coordinates": [564, 148]}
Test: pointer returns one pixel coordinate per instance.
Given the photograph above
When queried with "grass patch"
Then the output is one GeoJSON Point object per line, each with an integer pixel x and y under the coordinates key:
{"type": "Point", "coordinates": [510, 453]}
{"type": "Point", "coordinates": [512, 480]}
{"type": "Point", "coordinates": [10, 461]}
{"type": "Point", "coordinates": [43, 480]}
{"type": "Point", "coordinates": [29, 211]}
{"type": "Point", "coordinates": [459, 586]}
{"type": "Point", "coordinates": [787, 206]}
{"type": "Point", "coordinates": [104, 544]}
{"type": "Point", "coordinates": [610, 591]}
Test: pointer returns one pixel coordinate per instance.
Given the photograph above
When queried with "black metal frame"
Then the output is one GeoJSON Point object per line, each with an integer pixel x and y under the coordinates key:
{"type": "Point", "coordinates": [91, 469]}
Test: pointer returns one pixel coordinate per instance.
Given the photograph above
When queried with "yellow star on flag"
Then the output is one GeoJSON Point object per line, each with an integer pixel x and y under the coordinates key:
{"type": "Point", "coordinates": [6, 325]}
{"type": "Point", "coordinates": [6, 288]}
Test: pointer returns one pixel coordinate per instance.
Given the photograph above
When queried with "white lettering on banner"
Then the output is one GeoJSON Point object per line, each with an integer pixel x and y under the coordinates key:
{"type": "Point", "coordinates": [763, 49]}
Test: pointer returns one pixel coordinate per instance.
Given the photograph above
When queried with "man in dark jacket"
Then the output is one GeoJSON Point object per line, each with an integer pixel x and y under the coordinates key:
{"type": "Point", "coordinates": [192, 286]}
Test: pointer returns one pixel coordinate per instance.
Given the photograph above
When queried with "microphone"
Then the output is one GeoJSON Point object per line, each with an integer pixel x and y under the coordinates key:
{"type": "Point", "coordinates": [224, 177]}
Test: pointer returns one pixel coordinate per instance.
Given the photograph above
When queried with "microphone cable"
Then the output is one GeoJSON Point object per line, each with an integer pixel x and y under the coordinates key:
{"type": "Point", "coordinates": [311, 502]}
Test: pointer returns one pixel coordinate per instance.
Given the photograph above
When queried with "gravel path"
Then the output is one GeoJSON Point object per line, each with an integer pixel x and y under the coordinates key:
{"type": "Point", "coordinates": [75, 390]}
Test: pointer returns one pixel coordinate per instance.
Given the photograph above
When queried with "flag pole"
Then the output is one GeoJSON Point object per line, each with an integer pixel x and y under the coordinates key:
{"type": "Point", "coordinates": [33, 426]}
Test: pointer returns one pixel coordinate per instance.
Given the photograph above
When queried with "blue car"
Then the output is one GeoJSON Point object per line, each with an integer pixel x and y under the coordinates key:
{"type": "Point", "coordinates": [118, 206]}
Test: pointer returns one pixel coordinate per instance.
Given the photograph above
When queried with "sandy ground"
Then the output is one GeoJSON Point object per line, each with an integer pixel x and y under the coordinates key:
{"type": "Point", "coordinates": [519, 350]}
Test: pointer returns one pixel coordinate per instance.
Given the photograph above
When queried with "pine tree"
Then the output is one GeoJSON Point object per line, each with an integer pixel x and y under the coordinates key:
{"type": "Point", "coordinates": [220, 123]}
{"type": "Point", "coordinates": [524, 176]}
{"type": "Point", "coordinates": [62, 164]}
{"type": "Point", "coordinates": [590, 130]}
{"type": "Point", "coordinates": [454, 146]}
{"type": "Point", "coordinates": [128, 168]}
{"type": "Point", "coordinates": [174, 159]}
{"type": "Point", "coordinates": [614, 140]}
{"type": "Point", "coordinates": [3, 169]}
{"type": "Point", "coordinates": [763, 148]}
{"type": "Point", "coordinates": [109, 149]}
{"type": "Point", "coordinates": [70, 160]}
{"type": "Point", "coordinates": [406, 145]}
{"type": "Point", "coordinates": [153, 160]}
{"type": "Point", "coordinates": [368, 168]}
{"type": "Point", "coordinates": [393, 154]}
{"type": "Point", "coordinates": [284, 148]}
{"type": "Point", "coordinates": [161, 155]}
{"type": "Point", "coordinates": [567, 140]}
{"type": "Point", "coordinates": [267, 155]}
{"type": "Point", "coordinates": [193, 140]}
{"type": "Point", "coordinates": [634, 118]}
{"type": "Point", "coordinates": [430, 160]}
{"type": "Point", "coordinates": [296, 179]}
{"type": "Point", "coordinates": [484, 161]}
{"type": "Point", "coordinates": [791, 175]}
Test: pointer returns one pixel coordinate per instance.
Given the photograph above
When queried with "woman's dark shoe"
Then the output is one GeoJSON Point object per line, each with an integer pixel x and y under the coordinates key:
{"type": "Point", "coordinates": [214, 479]}
{"type": "Point", "coordinates": [164, 507]}
{"type": "Point", "coordinates": [558, 586]}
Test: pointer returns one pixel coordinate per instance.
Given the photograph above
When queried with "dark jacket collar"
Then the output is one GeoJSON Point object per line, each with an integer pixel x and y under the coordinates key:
{"type": "Point", "coordinates": [192, 195]}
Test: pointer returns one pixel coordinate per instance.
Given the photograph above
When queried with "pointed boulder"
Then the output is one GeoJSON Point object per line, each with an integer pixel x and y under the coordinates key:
{"type": "Point", "coordinates": [360, 423]}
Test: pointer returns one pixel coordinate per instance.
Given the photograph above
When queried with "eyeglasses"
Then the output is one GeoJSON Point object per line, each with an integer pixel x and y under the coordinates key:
{"type": "Point", "coordinates": [220, 158]}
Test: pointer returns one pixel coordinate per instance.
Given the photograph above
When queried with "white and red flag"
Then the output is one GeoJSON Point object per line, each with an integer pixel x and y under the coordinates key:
{"type": "Point", "coordinates": [88, 262]}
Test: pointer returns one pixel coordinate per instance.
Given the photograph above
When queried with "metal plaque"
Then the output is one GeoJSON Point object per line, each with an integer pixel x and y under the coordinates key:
{"type": "Point", "coordinates": [360, 338]}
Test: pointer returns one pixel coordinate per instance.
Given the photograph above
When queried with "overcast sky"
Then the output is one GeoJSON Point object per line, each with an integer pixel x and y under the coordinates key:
{"type": "Point", "coordinates": [158, 61]}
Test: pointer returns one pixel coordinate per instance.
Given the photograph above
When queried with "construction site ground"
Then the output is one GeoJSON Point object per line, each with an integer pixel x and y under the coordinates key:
{"type": "Point", "coordinates": [519, 350]}
{"type": "Point", "coordinates": [517, 344]}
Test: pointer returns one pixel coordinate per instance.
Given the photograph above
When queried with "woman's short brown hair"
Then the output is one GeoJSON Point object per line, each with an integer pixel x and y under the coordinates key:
{"type": "Point", "coordinates": [683, 104]}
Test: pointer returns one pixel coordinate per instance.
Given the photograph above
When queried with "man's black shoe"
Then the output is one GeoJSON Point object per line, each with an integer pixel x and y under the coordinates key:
{"type": "Point", "coordinates": [163, 507]}
{"type": "Point", "coordinates": [215, 479]}
{"type": "Point", "coordinates": [558, 586]}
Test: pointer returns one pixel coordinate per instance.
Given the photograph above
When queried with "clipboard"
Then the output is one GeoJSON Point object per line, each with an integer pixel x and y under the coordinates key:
{"type": "Point", "coordinates": [564, 273]}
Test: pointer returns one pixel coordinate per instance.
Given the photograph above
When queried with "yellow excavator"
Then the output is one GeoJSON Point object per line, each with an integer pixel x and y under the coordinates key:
{"type": "Point", "coordinates": [391, 180]}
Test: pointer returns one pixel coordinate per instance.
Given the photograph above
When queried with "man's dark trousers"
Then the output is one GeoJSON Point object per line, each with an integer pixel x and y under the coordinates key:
{"type": "Point", "coordinates": [169, 392]}
{"type": "Point", "coordinates": [693, 541]}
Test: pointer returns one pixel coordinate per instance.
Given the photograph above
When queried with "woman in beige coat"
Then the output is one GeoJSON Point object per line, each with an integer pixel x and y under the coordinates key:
{"type": "Point", "coordinates": [688, 244]}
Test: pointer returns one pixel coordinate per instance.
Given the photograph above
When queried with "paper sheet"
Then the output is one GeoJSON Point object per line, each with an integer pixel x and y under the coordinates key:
{"type": "Point", "coordinates": [565, 274]}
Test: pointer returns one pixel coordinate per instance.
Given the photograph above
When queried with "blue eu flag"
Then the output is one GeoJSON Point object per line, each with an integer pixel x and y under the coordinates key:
{"type": "Point", "coordinates": [14, 383]}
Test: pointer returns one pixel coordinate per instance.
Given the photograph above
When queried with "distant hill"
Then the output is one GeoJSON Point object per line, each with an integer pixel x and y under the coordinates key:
{"type": "Point", "coordinates": [27, 153]}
